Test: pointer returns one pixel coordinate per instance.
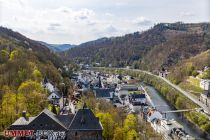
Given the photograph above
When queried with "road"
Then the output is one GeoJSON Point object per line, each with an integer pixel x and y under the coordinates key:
{"type": "Point", "coordinates": [188, 95]}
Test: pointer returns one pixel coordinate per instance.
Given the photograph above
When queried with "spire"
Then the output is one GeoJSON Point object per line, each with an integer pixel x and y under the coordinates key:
{"type": "Point", "coordinates": [99, 81]}
{"type": "Point", "coordinates": [45, 80]}
{"type": "Point", "coordinates": [84, 106]}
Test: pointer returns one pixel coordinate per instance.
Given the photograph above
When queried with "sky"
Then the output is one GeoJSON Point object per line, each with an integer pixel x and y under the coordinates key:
{"type": "Point", "coordinates": [78, 21]}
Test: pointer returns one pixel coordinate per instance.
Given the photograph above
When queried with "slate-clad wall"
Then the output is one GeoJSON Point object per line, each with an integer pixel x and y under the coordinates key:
{"type": "Point", "coordinates": [84, 135]}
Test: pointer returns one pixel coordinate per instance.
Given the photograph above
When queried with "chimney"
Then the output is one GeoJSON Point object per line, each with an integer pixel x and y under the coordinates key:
{"type": "Point", "coordinates": [85, 106]}
{"type": "Point", "coordinates": [24, 115]}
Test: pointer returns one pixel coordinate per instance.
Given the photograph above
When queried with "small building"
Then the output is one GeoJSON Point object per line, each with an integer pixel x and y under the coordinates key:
{"type": "Point", "coordinates": [205, 98]}
{"type": "Point", "coordinates": [205, 84]}
{"type": "Point", "coordinates": [129, 87]}
{"type": "Point", "coordinates": [104, 93]}
{"type": "Point", "coordinates": [55, 98]}
{"type": "Point", "coordinates": [137, 99]}
{"type": "Point", "coordinates": [46, 84]}
{"type": "Point", "coordinates": [163, 72]}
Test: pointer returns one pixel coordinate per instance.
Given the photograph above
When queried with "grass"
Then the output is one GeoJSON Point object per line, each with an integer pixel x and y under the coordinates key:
{"type": "Point", "coordinates": [137, 92]}
{"type": "Point", "coordinates": [191, 85]}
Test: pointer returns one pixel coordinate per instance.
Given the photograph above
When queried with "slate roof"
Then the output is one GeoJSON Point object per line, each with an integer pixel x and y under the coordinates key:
{"type": "Point", "coordinates": [57, 93]}
{"type": "Point", "coordinates": [65, 119]}
{"type": "Point", "coordinates": [85, 120]}
{"type": "Point", "coordinates": [103, 93]}
{"type": "Point", "coordinates": [52, 116]}
{"type": "Point", "coordinates": [23, 121]}
{"type": "Point", "coordinates": [138, 96]}
{"type": "Point", "coordinates": [129, 87]}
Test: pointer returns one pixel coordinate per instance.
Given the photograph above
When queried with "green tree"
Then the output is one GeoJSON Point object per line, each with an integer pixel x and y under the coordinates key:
{"type": "Point", "coordinates": [108, 125]}
{"type": "Point", "coordinates": [54, 109]}
{"type": "Point", "coordinates": [4, 56]}
{"type": "Point", "coordinates": [119, 134]}
{"type": "Point", "coordinates": [131, 135]}
{"type": "Point", "coordinates": [130, 123]}
{"type": "Point", "coordinates": [37, 75]}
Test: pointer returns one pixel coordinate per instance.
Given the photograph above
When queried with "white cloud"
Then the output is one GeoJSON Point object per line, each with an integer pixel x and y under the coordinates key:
{"type": "Point", "coordinates": [109, 14]}
{"type": "Point", "coordinates": [143, 21]}
{"type": "Point", "coordinates": [187, 14]}
{"type": "Point", "coordinates": [111, 29]}
{"type": "Point", "coordinates": [76, 21]}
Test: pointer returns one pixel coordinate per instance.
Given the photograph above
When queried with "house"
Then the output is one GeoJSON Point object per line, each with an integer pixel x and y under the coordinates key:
{"type": "Point", "coordinates": [205, 98]}
{"type": "Point", "coordinates": [55, 98]}
{"type": "Point", "coordinates": [137, 99]}
{"type": "Point", "coordinates": [47, 126]}
{"type": "Point", "coordinates": [104, 93]}
{"type": "Point", "coordinates": [205, 84]}
{"type": "Point", "coordinates": [163, 73]}
{"type": "Point", "coordinates": [122, 94]}
{"type": "Point", "coordinates": [46, 84]}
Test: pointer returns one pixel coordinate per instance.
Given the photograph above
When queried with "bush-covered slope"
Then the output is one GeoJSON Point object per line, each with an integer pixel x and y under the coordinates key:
{"type": "Point", "coordinates": [23, 65]}
{"type": "Point", "coordinates": [163, 45]}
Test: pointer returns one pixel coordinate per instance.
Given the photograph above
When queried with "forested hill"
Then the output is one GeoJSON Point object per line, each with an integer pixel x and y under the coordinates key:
{"type": "Point", "coordinates": [41, 51]}
{"type": "Point", "coordinates": [23, 65]}
{"type": "Point", "coordinates": [163, 45]}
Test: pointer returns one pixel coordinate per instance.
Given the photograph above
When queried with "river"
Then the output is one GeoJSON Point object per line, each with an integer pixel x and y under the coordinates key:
{"type": "Point", "coordinates": [161, 105]}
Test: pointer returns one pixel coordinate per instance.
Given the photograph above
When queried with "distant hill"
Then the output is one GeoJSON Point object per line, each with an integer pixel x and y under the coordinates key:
{"type": "Point", "coordinates": [58, 47]}
{"type": "Point", "coordinates": [161, 46]}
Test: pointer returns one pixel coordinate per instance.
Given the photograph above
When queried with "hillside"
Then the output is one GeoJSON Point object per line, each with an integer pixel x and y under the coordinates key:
{"type": "Point", "coordinates": [163, 45]}
{"type": "Point", "coordinates": [57, 47]}
{"type": "Point", "coordinates": [188, 67]}
{"type": "Point", "coordinates": [23, 65]}
{"type": "Point", "coordinates": [42, 52]}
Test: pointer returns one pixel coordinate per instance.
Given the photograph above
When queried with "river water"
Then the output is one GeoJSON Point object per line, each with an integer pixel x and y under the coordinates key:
{"type": "Point", "coordinates": [161, 105]}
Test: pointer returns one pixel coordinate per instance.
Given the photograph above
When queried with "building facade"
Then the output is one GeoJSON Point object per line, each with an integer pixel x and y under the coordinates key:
{"type": "Point", "coordinates": [47, 126]}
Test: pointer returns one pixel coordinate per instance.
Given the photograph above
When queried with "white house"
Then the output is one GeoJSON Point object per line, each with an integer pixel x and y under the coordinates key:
{"type": "Point", "coordinates": [205, 84]}
{"type": "Point", "coordinates": [205, 98]}
{"type": "Point", "coordinates": [49, 87]}
{"type": "Point", "coordinates": [55, 98]}
{"type": "Point", "coordinates": [46, 84]}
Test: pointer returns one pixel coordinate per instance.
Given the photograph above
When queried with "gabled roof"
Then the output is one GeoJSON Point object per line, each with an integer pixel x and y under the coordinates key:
{"type": "Point", "coordinates": [46, 120]}
{"type": "Point", "coordinates": [129, 87]}
{"type": "Point", "coordinates": [134, 96]}
{"type": "Point", "coordinates": [103, 92]}
{"type": "Point", "coordinates": [49, 118]}
{"type": "Point", "coordinates": [23, 121]}
{"type": "Point", "coordinates": [65, 119]}
{"type": "Point", "coordinates": [56, 93]}
{"type": "Point", "coordinates": [85, 120]}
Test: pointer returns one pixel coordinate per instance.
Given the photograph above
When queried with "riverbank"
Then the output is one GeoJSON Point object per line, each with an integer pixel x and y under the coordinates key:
{"type": "Point", "coordinates": [162, 105]}
{"type": "Point", "coordinates": [171, 95]}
